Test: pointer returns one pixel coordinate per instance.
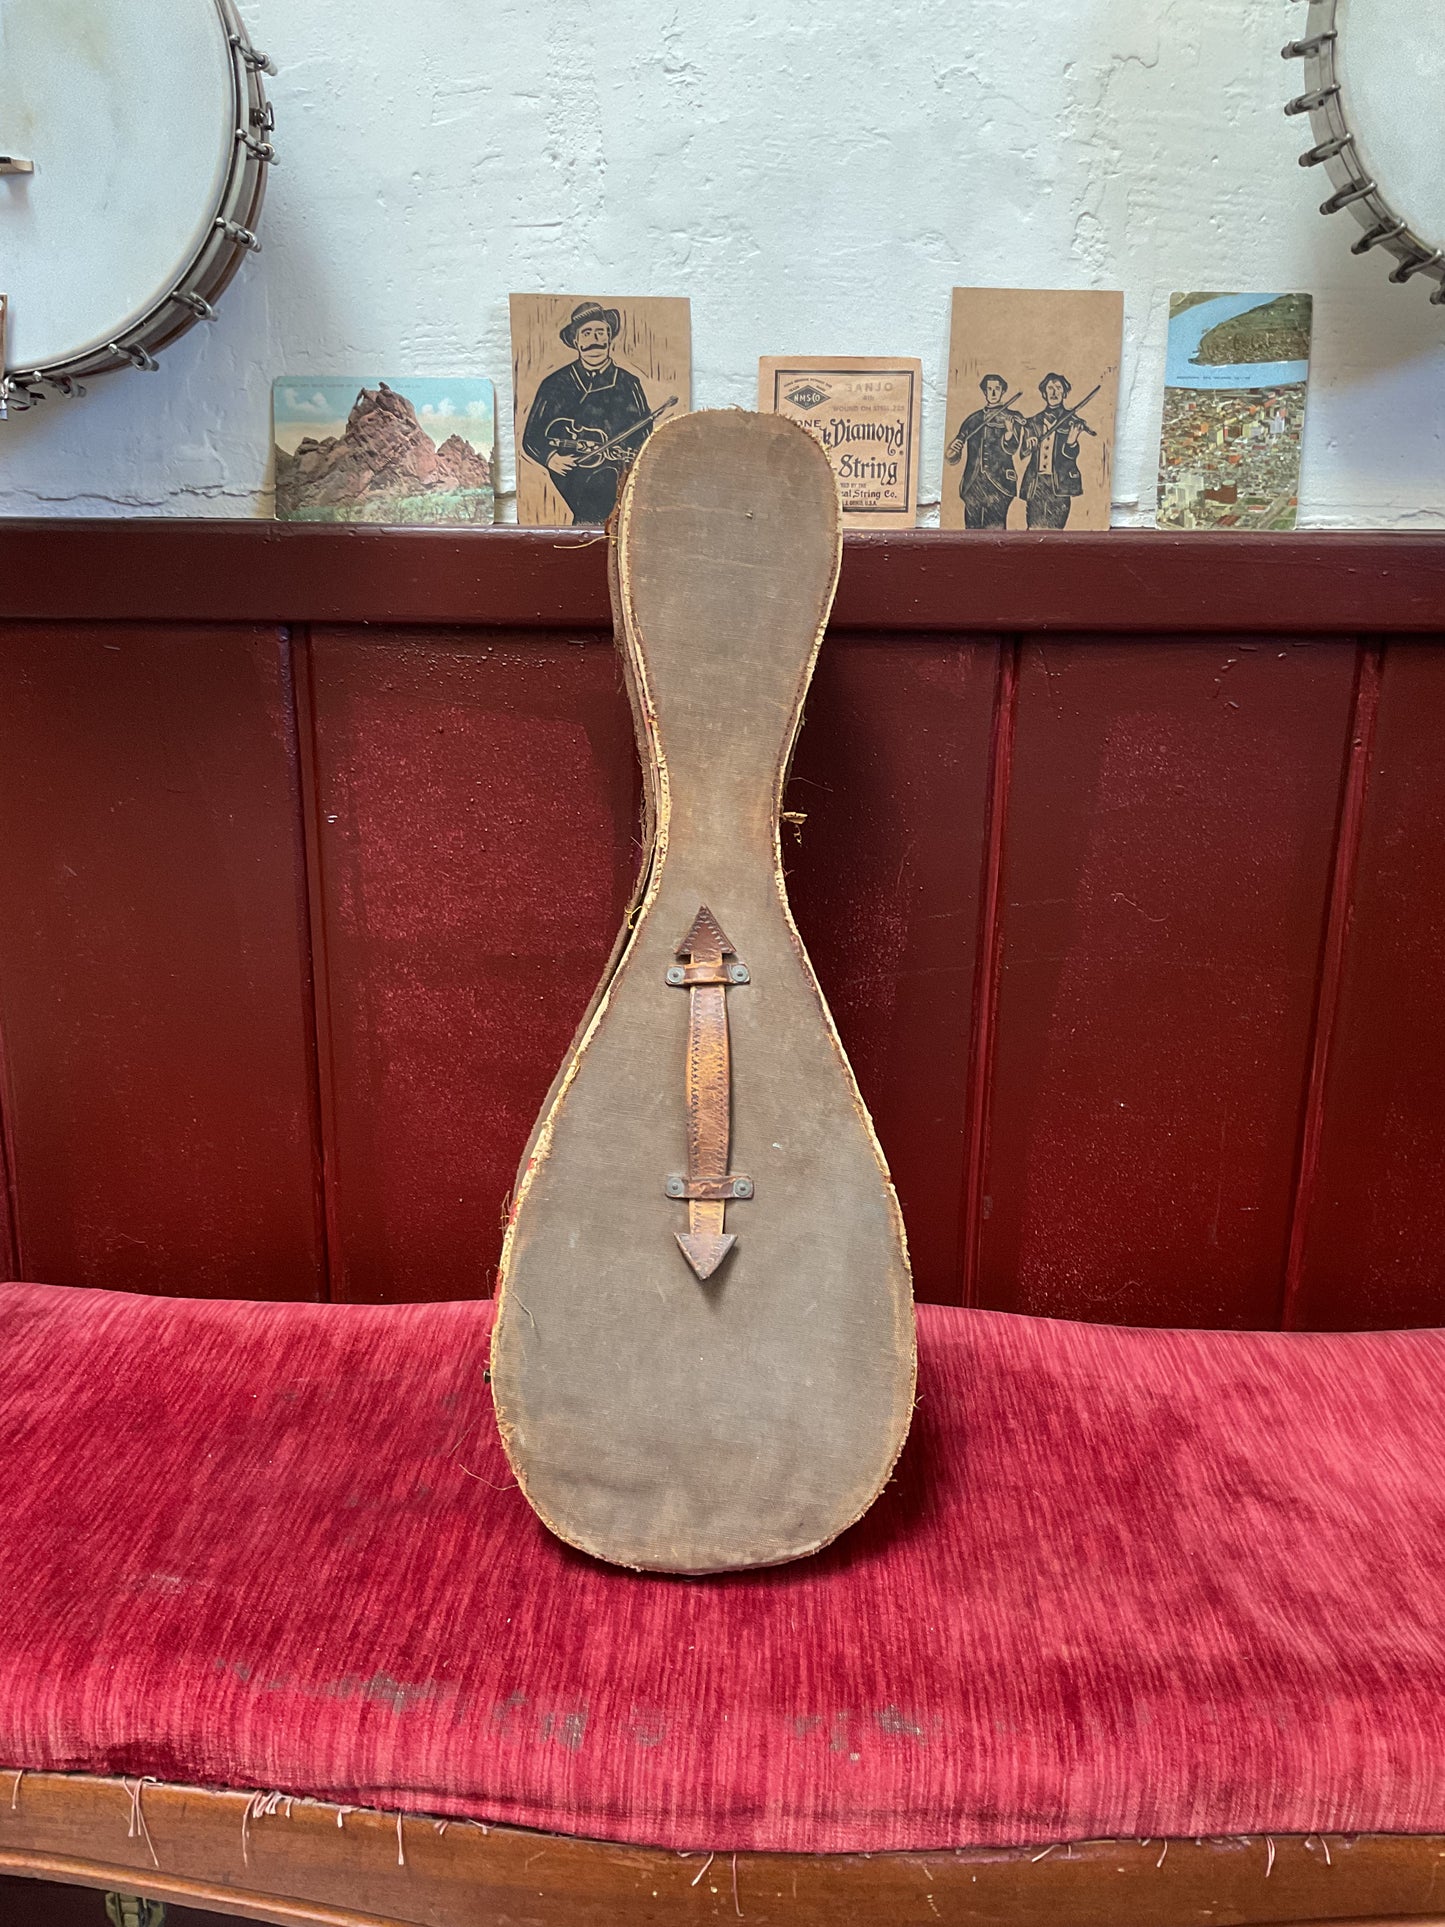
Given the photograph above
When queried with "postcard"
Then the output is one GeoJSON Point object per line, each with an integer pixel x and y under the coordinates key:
{"type": "Point", "coordinates": [1033, 385]}
{"type": "Point", "coordinates": [864, 409]}
{"type": "Point", "coordinates": [593, 375]}
{"type": "Point", "coordinates": [361, 449]}
{"type": "Point", "coordinates": [1234, 411]}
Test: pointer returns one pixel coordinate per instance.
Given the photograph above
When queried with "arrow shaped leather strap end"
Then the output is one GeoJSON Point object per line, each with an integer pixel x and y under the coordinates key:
{"type": "Point", "coordinates": [706, 976]}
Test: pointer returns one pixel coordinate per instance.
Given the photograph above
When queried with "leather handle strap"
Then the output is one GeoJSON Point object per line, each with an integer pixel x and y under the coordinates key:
{"type": "Point", "coordinates": [707, 1185]}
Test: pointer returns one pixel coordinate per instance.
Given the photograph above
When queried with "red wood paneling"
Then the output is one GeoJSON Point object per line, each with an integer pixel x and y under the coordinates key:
{"type": "Point", "coordinates": [1171, 1033]}
{"type": "Point", "coordinates": [9, 1250]}
{"type": "Point", "coordinates": [475, 817]}
{"type": "Point", "coordinates": [1374, 1238]}
{"type": "Point", "coordinates": [154, 975]}
{"type": "Point", "coordinates": [1167, 865]}
{"type": "Point", "coordinates": [892, 772]}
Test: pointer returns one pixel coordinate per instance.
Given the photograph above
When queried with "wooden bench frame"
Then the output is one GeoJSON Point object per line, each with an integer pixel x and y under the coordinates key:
{"type": "Point", "coordinates": [301, 1863]}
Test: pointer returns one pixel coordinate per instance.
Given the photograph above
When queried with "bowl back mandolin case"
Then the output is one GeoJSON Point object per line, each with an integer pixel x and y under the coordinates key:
{"type": "Point", "coordinates": [703, 1356]}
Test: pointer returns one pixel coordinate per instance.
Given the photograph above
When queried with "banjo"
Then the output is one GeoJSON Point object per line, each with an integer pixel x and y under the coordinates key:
{"type": "Point", "coordinates": [1373, 100]}
{"type": "Point", "coordinates": [112, 242]}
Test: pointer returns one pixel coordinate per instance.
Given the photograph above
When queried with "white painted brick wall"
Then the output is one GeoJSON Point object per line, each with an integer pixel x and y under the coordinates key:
{"type": "Point", "coordinates": [816, 176]}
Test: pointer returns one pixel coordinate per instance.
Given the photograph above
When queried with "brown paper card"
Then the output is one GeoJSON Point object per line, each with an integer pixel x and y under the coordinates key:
{"type": "Point", "coordinates": [1018, 455]}
{"type": "Point", "coordinates": [864, 409]}
{"type": "Point", "coordinates": [583, 397]}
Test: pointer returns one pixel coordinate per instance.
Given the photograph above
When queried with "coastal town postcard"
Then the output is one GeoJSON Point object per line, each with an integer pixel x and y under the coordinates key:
{"type": "Point", "coordinates": [593, 375]}
{"type": "Point", "coordinates": [1234, 411]}
{"type": "Point", "coordinates": [1033, 386]}
{"type": "Point", "coordinates": [362, 449]}
{"type": "Point", "coordinates": [864, 410]}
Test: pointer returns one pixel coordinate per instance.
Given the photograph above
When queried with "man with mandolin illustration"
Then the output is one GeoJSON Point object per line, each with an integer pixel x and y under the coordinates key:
{"type": "Point", "coordinates": [589, 417]}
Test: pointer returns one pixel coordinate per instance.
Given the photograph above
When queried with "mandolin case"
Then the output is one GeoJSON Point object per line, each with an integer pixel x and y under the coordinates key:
{"type": "Point", "coordinates": [703, 1356]}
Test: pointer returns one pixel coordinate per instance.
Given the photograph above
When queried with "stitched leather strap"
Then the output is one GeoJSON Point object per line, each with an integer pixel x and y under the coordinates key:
{"type": "Point", "coordinates": [707, 1185]}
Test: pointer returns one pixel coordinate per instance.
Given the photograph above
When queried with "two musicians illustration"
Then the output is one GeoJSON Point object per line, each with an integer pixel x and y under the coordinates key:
{"type": "Point", "coordinates": [993, 440]}
{"type": "Point", "coordinates": [589, 417]}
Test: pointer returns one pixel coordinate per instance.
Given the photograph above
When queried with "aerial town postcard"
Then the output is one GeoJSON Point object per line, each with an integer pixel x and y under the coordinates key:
{"type": "Point", "coordinates": [1234, 411]}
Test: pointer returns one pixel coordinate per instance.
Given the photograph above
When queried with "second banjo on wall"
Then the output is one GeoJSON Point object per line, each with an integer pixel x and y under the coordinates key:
{"type": "Point", "coordinates": [1373, 75]}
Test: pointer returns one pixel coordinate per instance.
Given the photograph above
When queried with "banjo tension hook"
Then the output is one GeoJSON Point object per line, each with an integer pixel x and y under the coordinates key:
{"type": "Point", "coordinates": [258, 62]}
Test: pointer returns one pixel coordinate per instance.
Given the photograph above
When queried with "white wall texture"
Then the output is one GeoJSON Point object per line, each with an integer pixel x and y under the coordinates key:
{"type": "Point", "coordinates": [815, 174]}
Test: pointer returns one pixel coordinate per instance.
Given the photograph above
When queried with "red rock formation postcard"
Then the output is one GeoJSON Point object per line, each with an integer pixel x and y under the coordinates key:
{"type": "Point", "coordinates": [406, 450]}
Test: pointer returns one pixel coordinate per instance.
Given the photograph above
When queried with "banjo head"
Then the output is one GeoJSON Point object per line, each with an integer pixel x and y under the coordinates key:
{"type": "Point", "coordinates": [1372, 93]}
{"type": "Point", "coordinates": [130, 115]}
{"type": "Point", "coordinates": [1391, 82]}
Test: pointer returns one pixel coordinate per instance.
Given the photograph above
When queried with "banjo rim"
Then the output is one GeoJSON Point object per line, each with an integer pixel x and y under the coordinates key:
{"type": "Point", "coordinates": [215, 260]}
{"type": "Point", "coordinates": [1325, 100]}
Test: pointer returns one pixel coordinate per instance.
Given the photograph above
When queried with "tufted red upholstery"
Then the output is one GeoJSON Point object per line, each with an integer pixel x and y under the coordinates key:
{"type": "Point", "coordinates": [1126, 1582]}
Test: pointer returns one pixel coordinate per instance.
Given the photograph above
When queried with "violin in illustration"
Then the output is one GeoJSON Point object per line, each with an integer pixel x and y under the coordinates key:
{"type": "Point", "coordinates": [594, 447]}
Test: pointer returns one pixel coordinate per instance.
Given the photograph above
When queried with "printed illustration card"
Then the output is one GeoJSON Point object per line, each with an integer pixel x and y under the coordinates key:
{"type": "Point", "coordinates": [1033, 383]}
{"type": "Point", "coordinates": [865, 411]}
{"type": "Point", "coordinates": [592, 377]}
{"type": "Point", "coordinates": [1234, 411]}
{"type": "Point", "coordinates": [358, 449]}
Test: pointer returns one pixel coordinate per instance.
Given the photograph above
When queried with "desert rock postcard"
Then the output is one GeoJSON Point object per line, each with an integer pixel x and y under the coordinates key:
{"type": "Point", "coordinates": [362, 449]}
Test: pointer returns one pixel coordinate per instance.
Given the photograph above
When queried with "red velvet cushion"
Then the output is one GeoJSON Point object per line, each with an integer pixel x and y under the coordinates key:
{"type": "Point", "coordinates": [1126, 1582]}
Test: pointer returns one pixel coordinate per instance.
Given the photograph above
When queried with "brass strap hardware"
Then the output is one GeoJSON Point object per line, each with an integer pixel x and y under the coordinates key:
{"type": "Point", "coordinates": [684, 976]}
{"type": "Point", "coordinates": [709, 1190]}
{"type": "Point", "coordinates": [707, 1186]}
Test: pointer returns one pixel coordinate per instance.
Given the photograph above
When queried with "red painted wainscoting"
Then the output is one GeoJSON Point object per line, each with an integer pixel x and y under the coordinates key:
{"type": "Point", "coordinates": [1121, 859]}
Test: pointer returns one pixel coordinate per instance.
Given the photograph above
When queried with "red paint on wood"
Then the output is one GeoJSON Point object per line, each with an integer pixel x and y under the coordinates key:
{"type": "Point", "coordinates": [1332, 965]}
{"type": "Point", "coordinates": [987, 969]}
{"type": "Point", "coordinates": [476, 837]}
{"type": "Point", "coordinates": [1168, 860]}
{"type": "Point", "coordinates": [9, 1245]}
{"type": "Point", "coordinates": [162, 1140]}
{"type": "Point", "coordinates": [1121, 581]}
{"type": "Point", "coordinates": [892, 772]}
{"type": "Point", "coordinates": [1374, 1241]}
{"type": "Point", "coordinates": [153, 972]}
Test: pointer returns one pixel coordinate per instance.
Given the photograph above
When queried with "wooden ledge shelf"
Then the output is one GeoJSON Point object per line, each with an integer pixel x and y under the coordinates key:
{"type": "Point", "coordinates": [1126, 581]}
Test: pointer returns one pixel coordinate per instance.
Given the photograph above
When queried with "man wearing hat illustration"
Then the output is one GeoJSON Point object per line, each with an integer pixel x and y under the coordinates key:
{"type": "Point", "coordinates": [1051, 479]}
{"type": "Point", "coordinates": [985, 443]}
{"type": "Point", "coordinates": [587, 405]}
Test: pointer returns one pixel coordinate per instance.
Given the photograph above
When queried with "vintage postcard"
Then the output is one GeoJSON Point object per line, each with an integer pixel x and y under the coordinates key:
{"type": "Point", "coordinates": [359, 449]}
{"type": "Point", "coordinates": [1234, 411]}
{"type": "Point", "coordinates": [1033, 384]}
{"type": "Point", "coordinates": [864, 409]}
{"type": "Point", "coordinates": [592, 376]}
